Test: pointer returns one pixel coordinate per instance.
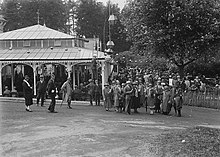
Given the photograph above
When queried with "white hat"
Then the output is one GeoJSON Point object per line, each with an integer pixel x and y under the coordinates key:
{"type": "Point", "coordinates": [128, 82]}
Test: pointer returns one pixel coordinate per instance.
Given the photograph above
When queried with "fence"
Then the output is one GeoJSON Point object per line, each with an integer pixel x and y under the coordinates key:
{"type": "Point", "coordinates": [209, 98]}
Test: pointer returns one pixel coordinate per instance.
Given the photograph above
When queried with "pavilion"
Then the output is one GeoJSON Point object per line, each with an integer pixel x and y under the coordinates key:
{"type": "Point", "coordinates": [39, 50]}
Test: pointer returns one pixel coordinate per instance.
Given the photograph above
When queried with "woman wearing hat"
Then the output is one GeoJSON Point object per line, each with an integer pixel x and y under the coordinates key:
{"type": "Point", "coordinates": [128, 95]}
{"type": "Point", "coordinates": [151, 98]}
{"type": "Point", "coordinates": [28, 93]}
{"type": "Point", "coordinates": [107, 97]}
{"type": "Point", "coordinates": [167, 102]}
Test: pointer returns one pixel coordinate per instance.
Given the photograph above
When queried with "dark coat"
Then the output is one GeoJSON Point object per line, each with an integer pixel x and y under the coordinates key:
{"type": "Point", "coordinates": [41, 87]}
{"type": "Point", "coordinates": [97, 89]}
{"type": "Point", "coordinates": [51, 88]}
{"type": "Point", "coordinates": [28, 93]}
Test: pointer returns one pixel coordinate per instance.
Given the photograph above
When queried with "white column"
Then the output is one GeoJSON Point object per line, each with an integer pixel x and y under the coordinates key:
{"type": "Point", "coordinates": [74, 77]}
{"type": "Point", "coordinates": [103, 74]}
{"type": "Point", "coordinates": [68, 69]}
{"type": "Point", "coordinates": [34, 71]}
{"type": "Point", "coordinates": [12, 76]}
{"type": "Point", "coordinates": [1, 79]}
{"type": "Point", "coordinates": [78, 76]}
{"type": "Point", "coordinates": [107, 70]}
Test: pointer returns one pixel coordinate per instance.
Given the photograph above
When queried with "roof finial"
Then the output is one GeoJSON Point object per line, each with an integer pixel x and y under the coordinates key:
{"type": "Point", "coordinates": [38, 17]}
{"type": "Point", "coordinates": [44, 24]}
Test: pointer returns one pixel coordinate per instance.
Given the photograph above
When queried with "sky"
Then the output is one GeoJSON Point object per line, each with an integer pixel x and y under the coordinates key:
{"type": "Point", "coordinates": [121, 3]}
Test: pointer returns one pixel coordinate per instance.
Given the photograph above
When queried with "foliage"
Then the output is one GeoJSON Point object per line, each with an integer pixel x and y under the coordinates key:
{"type": "Point", "coordinates": [92, 20]}
{"type": "Point", "coordinates": [181, 31]}
{"type": "Point", "coordinates": [131, 59]}
{"type": "Point", "coordinates": [23, 13]}
{"type": "Point", "coordinates": [201, 68]}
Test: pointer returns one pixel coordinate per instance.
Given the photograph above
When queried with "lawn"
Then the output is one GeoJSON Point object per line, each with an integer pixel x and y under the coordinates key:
{"type": "Point", "coordinates": [192, 142]}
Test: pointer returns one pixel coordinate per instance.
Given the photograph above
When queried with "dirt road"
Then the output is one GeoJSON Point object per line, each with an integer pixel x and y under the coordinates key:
{"type": "Point", "coordinates": [89, 131]}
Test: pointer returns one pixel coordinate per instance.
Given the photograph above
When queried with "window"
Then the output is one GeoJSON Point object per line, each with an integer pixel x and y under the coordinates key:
{"type": "Point", "coordinates": [26, 43]}
{"type": "Point", "coordinates": [57, 43]}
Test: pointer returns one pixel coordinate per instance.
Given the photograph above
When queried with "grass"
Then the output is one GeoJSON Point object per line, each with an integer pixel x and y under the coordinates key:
{"type": "Point", "coordinates": [192, 142]}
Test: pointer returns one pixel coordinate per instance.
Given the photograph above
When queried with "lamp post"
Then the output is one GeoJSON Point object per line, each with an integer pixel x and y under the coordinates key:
{"type": "Point", "coordinates": [111, 21]}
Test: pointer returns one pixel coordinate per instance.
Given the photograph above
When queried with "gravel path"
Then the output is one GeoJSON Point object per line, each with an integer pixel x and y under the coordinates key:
{"type": "Point", "coordinates": [89, 131]}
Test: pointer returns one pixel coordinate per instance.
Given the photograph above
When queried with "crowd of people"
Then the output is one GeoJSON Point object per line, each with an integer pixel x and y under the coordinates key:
{"type": "Point", "coordinates": [128, 90]}
{"type": "Point", "coordinates": [155, 95]}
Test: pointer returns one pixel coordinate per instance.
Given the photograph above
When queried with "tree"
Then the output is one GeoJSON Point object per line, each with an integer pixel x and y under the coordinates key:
{"type": "Point", "coordinates": [10, 11]}
{"type": "Point", "coordinates": [181, 31]}
{"type": "Point", "coordinates": [90, 18]}
{"type": "Point", "coordinates": [23, 13]}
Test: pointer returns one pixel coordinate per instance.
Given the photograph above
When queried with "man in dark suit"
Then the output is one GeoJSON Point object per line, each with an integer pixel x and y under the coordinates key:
{"type": "Point", "coordinates": [41, 89]}
{"type": "Point", "coordinates": [97, 93]}
{"type": "Point", "coordinates": [51, 89]}
{"type": "Point", "coordinates": [28, 93]}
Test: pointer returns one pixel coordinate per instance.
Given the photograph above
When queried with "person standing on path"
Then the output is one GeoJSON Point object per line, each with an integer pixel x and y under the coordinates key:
{"type": "Point", "coordinates": [41, 90]}
{"type": "Point", "coordinates": [28, 93]}
{"type": "Point", "coordinates": [151, 98]}
{"type": "Point", "coordinates": [51, 89]}
{"type": "Point", "coordinates": [67, 91]}
{"type": "Point", "coordinates": [135, 97]}
{"type": "Point", "coordinates": [91, 87]}
{"type": "Point", "coordinates": [128, 94]}
{"type": "Point", "coordinates": [97, 93]}
{"type": "Point", "coordinates": [116, 95]}
{"type": "Point", "coordinates": [107, 97]}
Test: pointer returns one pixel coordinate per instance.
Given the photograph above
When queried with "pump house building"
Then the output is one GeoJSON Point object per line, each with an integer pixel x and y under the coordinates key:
{"type": "Point", "coordinates": [38, 50]}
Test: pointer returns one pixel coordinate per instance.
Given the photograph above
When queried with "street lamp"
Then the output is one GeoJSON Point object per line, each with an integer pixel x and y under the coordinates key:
{"type": "Point", "coordinates": [111, 21]}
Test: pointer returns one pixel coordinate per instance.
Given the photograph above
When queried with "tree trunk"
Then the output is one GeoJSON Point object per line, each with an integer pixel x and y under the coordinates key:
{"type": "Point", "coordinates": [181, 70]}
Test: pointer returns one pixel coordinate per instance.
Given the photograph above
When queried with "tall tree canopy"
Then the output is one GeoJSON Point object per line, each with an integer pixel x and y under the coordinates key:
{"type": "Point", "coordinates": [23, 13]}
{"type": "Point", "coordinates": [92, 20]}
{"type": "Point", "coordinates": [181, 31]}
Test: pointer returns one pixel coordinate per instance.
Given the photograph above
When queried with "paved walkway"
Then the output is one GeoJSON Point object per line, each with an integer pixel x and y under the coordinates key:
{"type": "Point", "coordinates": [89, 130]}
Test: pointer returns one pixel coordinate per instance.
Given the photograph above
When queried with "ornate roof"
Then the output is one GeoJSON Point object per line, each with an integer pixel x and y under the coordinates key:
{"type": "Point", "coordinates": [50, 55]}
{"type": "Point", "coordinates": [34, 32]}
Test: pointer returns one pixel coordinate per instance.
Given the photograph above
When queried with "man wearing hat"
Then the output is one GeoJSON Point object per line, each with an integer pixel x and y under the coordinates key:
{"type": "Point", "coordinates": [128, 94]}
{"type": "Point", "coordinates": [28, 93]}
{"type": "Point", "coordinates": [51, 89]}
{"type": "Point", "coordinates": [41, 90]}
{"type": "Point", "coordinates": [67, 91]}
{"type": "Point", "coordinates": [107, 94]}
{"type": "Point", "coordinates": [91, 87]}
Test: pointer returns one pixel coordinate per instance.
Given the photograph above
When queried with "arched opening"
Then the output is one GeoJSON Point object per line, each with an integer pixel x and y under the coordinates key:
{"type": "Point", "coordinates": [13, 75]}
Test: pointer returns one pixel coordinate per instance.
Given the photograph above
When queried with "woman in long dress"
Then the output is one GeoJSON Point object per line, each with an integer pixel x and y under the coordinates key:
{"type": "Point", "coordinates": [116, 95]}
{"type": "Point", "coordinates": [166, 104]}
{"type": "Point", "coordinates": [151, 98]}
{"type": "Point", "coordinates": [107, 94]}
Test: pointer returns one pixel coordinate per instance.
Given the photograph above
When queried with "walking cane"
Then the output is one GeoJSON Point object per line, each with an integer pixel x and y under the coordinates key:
{"type": "Point", "coordinates": [61, 103]}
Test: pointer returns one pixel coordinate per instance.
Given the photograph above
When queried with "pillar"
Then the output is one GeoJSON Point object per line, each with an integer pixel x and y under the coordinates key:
{"type": "Point", "coordinates": [68, 69]}
{"type": "Point", "coordinates": [107, 70]}
{"type": "Point", "coordinates": [103, 74]}
{"type": "Point", "coordinates": [78, 76]}
{"type": "Point", "coordinates": [35, 83]}
{"type": "Point", "coordinates": [1, 79]}
{"type": "Point", "coordinates": [74, 77]}
{"type": "Point", "coordinates": [12, 76]}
